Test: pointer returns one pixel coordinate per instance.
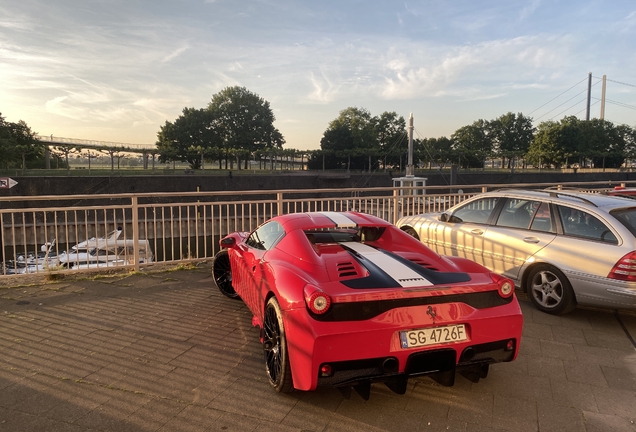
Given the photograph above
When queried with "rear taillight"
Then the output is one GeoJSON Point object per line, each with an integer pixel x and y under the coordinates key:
{"type": "Point", "coordinates": [505, 285]}
{"type": "Point", "coordinates": [317, 301]}
{"type": "Point", "coordinates": [625, 268]}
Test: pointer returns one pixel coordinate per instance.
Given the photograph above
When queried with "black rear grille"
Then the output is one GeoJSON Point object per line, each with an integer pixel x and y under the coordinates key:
{"type": "Point", "coordinates": [346, 269]}
{"type": "Point", "coordinates": [424, 264]}
{"type": "Point", "coordinates": [359, 311]}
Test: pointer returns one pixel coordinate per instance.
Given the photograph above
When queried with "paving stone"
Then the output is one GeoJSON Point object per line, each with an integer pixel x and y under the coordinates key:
{"type": "Point", "coordinates": [538, 331]}
{"type": "Point", "coordinates": [572, 394]}
{"type": "Point", "coordinates": [166, 352]}
{"type": "Point", "coordinates": [595, 422]}
{"type": "Point", "coordinates": [558, 418]}
{"type": "Point", "coordinates": [619, 378]}
{"type": "Point", "coordinates": [571, 335]}
{"type": "Point", "coordinates": [561, 350]}
{"type": "Point", "coordinates": [615, 402]}
{"type": "Point", "coordinates": [586, 373]}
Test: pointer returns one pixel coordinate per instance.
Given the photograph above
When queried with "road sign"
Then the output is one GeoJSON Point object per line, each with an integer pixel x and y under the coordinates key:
{"type": "Point", "coordinates": [7, 183]}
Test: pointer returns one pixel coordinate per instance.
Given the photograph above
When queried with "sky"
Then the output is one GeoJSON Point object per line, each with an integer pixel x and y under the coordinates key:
{"type": "Point", "coordinates": [116, 70]}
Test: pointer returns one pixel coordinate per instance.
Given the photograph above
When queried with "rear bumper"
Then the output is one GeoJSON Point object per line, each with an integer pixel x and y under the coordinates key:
{"type": "Point", "coordinates": [441, 364]}
{"type": "Point", "coordinates": [370, 350]}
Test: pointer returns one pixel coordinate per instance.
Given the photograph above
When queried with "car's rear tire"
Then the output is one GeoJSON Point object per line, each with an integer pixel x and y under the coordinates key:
{"type": "Point", "coordinates": [222, 273]}
{"type": "Point", "coordinates": [275, 348]}
{"type": "Point", "coordinates": [550, 290]}
{"type": "Point", "coordinates": [410, 231]}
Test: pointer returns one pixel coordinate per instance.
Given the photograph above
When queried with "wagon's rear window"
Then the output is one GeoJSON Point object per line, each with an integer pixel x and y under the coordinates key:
{"type": "Point", "coordinates": [626, 216]}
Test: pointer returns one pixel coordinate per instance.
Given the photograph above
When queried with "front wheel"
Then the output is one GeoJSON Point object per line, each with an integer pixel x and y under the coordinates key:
{"type": "Point", "coordinates": [275, 348]}
{"type": "Point", "coordinates": [222, 273]}
{"type": "Point", "coordinates": [410, 231]}
{"type": "Point", "coordinates": [550, 291]}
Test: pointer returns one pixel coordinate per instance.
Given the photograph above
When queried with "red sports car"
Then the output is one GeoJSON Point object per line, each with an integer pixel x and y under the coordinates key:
{"type": "Point", "coordinates": [347, 299]}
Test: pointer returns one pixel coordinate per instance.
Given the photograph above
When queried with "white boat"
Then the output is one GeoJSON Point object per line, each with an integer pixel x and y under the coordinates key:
{"type": "Point", "coordinates": [108, 251]}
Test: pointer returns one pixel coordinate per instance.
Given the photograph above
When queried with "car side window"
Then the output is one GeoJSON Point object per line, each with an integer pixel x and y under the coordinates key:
{"type": "Point", "coordinates": [542, 218]}
{"type": "Point", "coordinates": [579, 223]}
{"type": "Point", "coordinates": [517, 213]}
{"type": "Point", "coordinates": [477, 211]}
{"type": "Point", "coordinates": [266, 236]}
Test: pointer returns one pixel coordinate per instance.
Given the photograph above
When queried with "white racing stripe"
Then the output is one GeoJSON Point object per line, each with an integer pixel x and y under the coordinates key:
{"type": "Point", "coordinates": [405, 276]}
{"type": "Point", "coordinates": [339, 219]}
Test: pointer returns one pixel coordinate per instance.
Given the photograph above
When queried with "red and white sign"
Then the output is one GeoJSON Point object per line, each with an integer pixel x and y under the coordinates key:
{"type": "Point", "coordinates": [7, 183]}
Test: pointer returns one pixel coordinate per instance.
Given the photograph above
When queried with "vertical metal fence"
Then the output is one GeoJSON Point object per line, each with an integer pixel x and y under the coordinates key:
{"type": "Point", "coordinates": [50, 234]}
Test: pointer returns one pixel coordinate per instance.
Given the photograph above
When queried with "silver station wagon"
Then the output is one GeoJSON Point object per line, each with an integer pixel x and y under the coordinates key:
{"type": "Point", "coordinates": [562, 247]}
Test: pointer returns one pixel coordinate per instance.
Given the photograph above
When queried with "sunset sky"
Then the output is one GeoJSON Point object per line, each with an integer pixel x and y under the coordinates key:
{"type": "Point", "coordinates": [117, 70]}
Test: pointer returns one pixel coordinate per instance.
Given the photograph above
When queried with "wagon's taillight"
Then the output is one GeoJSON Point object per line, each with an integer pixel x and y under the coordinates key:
{"type": "Point", "coordinates": [505, 285]}
{"type": "Point", "coordinates": [317, 301]}
{"type": "Point", "coordinates": [625, 268]}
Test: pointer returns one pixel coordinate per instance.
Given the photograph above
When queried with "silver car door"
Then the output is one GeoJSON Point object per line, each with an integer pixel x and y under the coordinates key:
{"type": "Point", "coordinates": [523, 228]}
{"type": "Point", "coordinates": [463, 234]}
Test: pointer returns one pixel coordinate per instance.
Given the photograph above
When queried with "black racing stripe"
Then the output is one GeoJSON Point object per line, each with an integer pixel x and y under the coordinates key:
{"type": "Point", "coordinates": [359, 311]}
{"type": "Point", "coordinates": [377, 278]}
{"type": "Point", "coordinates": [435, 277]}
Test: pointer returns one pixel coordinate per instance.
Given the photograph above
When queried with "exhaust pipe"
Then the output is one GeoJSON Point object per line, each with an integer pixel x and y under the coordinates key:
{"type": "Point", "coordinates": [468, 354]}
{"type": "Point", "coordinates": [390, 365]}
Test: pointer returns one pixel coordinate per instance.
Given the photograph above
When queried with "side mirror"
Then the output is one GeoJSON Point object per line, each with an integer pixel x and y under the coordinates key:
{"type": "Point", "coordinates": [227, 242]}
{"type": "Point", "coordinates": [443, 217]}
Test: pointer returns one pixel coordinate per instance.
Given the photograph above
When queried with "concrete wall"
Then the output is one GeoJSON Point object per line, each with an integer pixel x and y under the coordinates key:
{"type": "Point", "coordinates": [33, 186]}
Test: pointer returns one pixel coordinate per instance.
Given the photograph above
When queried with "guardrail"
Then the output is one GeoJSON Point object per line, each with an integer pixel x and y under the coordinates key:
{"type": "Point", "coordinates": [51, 234]}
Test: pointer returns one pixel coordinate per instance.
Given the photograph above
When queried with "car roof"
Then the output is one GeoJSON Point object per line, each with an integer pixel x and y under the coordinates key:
{"type": "Point", "coordinates": [570, 196]}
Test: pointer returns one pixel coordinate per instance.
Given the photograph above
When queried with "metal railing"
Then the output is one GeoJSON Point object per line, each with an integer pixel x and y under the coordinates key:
{"type": "Point", "coordinates": [51, 234]}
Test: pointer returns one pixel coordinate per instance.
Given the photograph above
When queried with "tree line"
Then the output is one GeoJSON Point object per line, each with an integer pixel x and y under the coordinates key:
{"type": "Point", "coordinates": [19, 147]}
{"type": "Point", "coordinates": [356, 140]}
{"type": "Point", "coordinates": [237, 126]}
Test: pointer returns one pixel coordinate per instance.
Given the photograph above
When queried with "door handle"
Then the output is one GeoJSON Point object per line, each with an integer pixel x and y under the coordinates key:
{"type": "Point", "coordinates": [477, 231]}
{"type": "Point", "coordinates": [531, 240]}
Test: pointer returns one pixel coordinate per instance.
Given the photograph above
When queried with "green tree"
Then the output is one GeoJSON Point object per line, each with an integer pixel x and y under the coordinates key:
{"type": "Point", "coordinates": [391, 137]}
{"type": "Point", "coordinates": [244, 122]}
{"type": "Point", "coordinates": [19, 145]}
{"type": "Point", "coordinates": [438, 151]}
{"type": "Point", "coordinates": [602, 143]}
{"type": "Point", "coordinates": [234, 125]}
{"type": "Point", "coordinates": [179, 141]}
{"type": "Point", "coordinates": [511, 135]}
{"type": "Point", "coordinates": [357, 140]}
{"type": "Point", "coordinates": [472, 144]}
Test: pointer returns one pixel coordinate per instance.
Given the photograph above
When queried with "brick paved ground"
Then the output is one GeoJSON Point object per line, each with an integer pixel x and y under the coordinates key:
{"type": "Point", "coordinates": [167, 352]}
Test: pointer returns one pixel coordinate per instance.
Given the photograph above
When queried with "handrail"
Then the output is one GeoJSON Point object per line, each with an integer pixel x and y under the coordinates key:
{"type": "Point", "coordinates": [177, 227]}
{"type": "Point", "coordinates": [483, 187]}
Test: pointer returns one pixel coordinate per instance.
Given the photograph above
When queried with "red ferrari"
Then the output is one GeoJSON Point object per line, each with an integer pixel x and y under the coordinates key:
{"type": "Point", "coordinates": [347, 299]}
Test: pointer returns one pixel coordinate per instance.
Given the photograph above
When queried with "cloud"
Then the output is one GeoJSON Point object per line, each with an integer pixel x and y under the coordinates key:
{"type": "Point", "coordinates": [527, 11]}
{"type": "Point", "coordinates": [324, 90]}
{"type": "Point", "coordinates": [175, 53]}
{"type": "Point", "coordinates": [436, 75]}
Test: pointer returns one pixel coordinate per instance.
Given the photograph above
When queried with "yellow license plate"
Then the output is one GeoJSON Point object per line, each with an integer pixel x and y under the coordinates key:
{"type": "Point", "coordinates": [433, 336]}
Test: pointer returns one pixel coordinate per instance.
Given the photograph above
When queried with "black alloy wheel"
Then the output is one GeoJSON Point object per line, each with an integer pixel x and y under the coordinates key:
{"type": "Point", "coordinates": [222, 273]}
{"type": "Point", "coordinates": [275, 349]}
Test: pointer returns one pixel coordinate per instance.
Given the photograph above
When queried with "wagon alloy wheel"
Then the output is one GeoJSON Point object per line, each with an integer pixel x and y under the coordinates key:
{"type": "Point", "coordinates": [222, 273]}
{"type": "Point", "coordinates": [410, 231]}
{"type": "Point", "coordinates": [275, 348]}
{"type": "Point", "coordinates": [550, 290]}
